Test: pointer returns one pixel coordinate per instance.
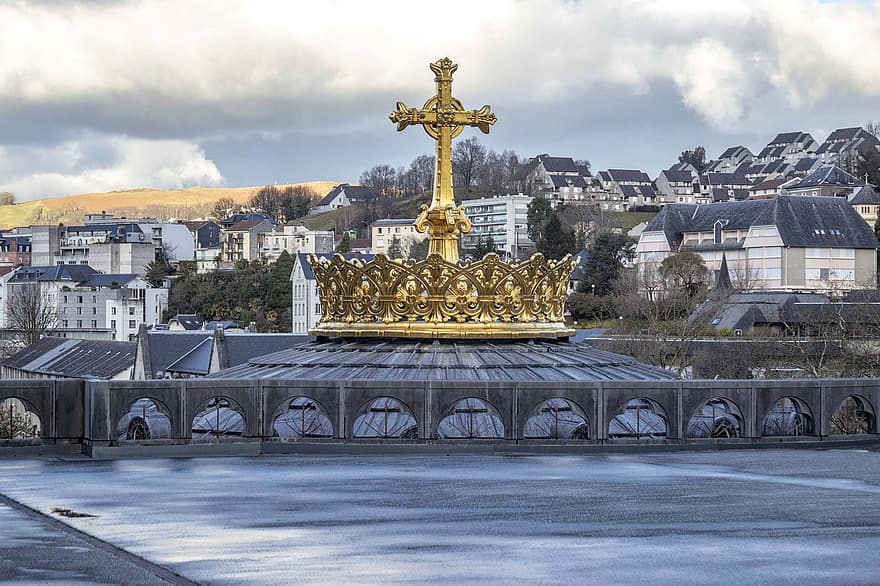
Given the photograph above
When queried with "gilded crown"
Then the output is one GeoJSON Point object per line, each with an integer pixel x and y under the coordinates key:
{"type": "Point", "coordinates": [435, 298]}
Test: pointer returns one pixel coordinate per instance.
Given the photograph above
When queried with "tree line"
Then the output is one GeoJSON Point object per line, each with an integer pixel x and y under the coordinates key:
{"type": "Point", "coordinates": [282, 204]}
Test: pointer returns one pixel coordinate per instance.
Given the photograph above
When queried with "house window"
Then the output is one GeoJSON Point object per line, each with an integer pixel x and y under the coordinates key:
{"type": "Point", "coordinates": [94, 311]}
{"type": "Point", "coordinates": [113, 323]}
{"type": "Point", "coordinates": [131, 324]}
{"type": "Point", "coordinates": [131, 310]}
{"type": "Point", "coordinates": [64, 323]}
{"type": "Point", "coordinates": [94, 323]}
{"type": "Point", "coordinates": [79, 323]}
{"type": "Point", "coordinates": [79, 311]}
{"type": "Point", "coordinates": [113, 310]}
{"type": "Point", "coordinates": [79, 298]}
{"type": "Point", "coordinates": [65, 299]}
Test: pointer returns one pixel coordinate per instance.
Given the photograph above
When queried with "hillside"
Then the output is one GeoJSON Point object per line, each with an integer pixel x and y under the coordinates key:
{"type": "Point", "coordinates": [190, 203]}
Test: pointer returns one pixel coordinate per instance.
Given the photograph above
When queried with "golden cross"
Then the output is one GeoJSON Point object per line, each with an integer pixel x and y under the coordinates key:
{"type": "Point", "coordinates": [443, 118]}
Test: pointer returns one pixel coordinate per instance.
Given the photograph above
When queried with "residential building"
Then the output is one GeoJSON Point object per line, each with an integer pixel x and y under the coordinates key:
{"type": "Point", "coordinates": [185, 321]}
{"type": "Point", "coordinates": [505, 219]}
{"type": "Point", "coordinates": [206, 244]}
{"type": "Point", "coordinates": [559, 179]}
{"type": "Point", "coordinates": [757, 172]}
{"type": "Point", "coordinates": [715, 187]}
{"type": "Point", "coordinates": [45, 244]}
{"type": "Point", "coordinates": [168, 238]}
{"type": "Point", "coordinates": [306, 308]}
{"type": "Point", "coordinates": [343, 195]}
{"type": "Point", "coordinates": [243, 241]}
{"type": "Point", "coordinates": [631, 186]}
{"type": "Point", "coordinates": [678, 186]}
{"type": "Point", "coordinates": [117, 302]}
{"type": "Point", "coordinates": [15, 249]}
{"type": "Point", "coordinates": [846, 147]}
{"type": "Point", "coordinates": [106, 247]}
{"type": "Point", "coordinates": [730, 160]}
{"type": "Point", "coordinates": [245, 217]}
{"type": "Point", "coordinates": [384, 232]}
{"type": "Point", "coordinates": [295, 238]}
{"type": "Point", "coordinates": [788, 146]}
{"type": "Point", "coordinates": [768, 188]}
{"type": "Point", "coordinates": [785, 243]}
{"type": "Point", "coordinates": [828, 180]}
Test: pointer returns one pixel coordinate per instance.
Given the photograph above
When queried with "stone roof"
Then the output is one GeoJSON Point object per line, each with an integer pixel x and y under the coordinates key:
{"type": "Point", "coordinates": [827, 175]}
{"type": "Point", "coordinates": [447, 360]}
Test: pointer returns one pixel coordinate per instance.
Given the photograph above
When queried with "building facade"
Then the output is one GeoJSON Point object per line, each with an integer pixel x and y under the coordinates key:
{"type": "Point", "coordinates": [383, 234]}
{"type": "Point", "coordinates": [505, 219]}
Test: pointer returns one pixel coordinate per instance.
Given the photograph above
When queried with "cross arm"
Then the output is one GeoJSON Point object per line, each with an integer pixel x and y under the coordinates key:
{"type": "Point", "coordinates": [404, 116]}
{"type": "Point", "coordinates": [482, 118]}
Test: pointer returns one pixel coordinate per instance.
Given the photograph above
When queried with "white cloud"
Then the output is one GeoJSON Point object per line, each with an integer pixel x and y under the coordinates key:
{"type": "Point", "coordinates": [66, 169]}
{"type": "Point", "coordinates": [282, 64]}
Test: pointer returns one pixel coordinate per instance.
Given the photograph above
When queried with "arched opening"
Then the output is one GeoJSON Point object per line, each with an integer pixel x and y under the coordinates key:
{"type": "Point", "coordinates": [303, 419]}
{"type": "Point", "coordinates": [855, 415]}
{"type": "Point", "coordinates": [717, 418]}
{"type": "Point", "coordinates": [471, 419]}
{"type": "Point", "coordinates": [144, 420]}
{"type": "Point", "coordinates": [385, 418]}
{"type": "Point", "coordinates": [558, 419]}
{"type": "Point", "coordinates": [19, 420]}
{"type": "Point", "coordinates": [219, 419]}
{"type": "Point", "coordinates": [639, 419]}
{"type": "Point", "coordinates": [789, 416]}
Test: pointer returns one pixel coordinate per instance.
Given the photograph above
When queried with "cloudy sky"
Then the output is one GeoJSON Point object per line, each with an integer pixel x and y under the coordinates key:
{"type": "Point", "coordinates": [105, 95]}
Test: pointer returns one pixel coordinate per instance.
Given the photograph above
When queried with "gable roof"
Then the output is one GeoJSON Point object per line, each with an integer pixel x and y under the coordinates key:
{"type": "Point", "coordinates": [827, 175]}
{"type": "Point", "coordinates": [352, 192]}
{"type": "Point", "coordinates": [827, 222]}
{"type": "Point", "coordinates": [189, 321]}
{"type": "Point", "coordinates": [558, 164]}
{"type": "Point", "coordinates": [629, 175]}
{"type": "Point", "coordinates": [246, 225]}
{"type": "Point", "coordinates": [74, 273]}
{"type": "Point", "coordinates": [678, 176]}
{"type": "Point", "coordinates": [69, 358]}
{"type": "Point", "coordinates": [167, 347]}
{"type": "Point", "coordinates": [109, 280]}
{"type": "Point", "coordinates": [568, 180]}
{"type": "Point", "coordinates": [865, 196]}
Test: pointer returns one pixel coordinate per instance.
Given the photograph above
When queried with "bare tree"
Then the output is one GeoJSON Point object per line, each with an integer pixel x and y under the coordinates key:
{"type": "Point", "coordinates": [224, 207]}
{"type": "Point", "coordinates": [7, 198]}
{"type": "Point", "coordinates": [381, 179]}
{"type": "Point", "coordinates": [30, 313]}
{"type": "Point", "coordinates": [468, 159]}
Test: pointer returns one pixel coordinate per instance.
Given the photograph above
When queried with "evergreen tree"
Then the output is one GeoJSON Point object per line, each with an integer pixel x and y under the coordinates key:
{"type": "Point", "coordinates": [538, 213]}
{"type": "Point", "coordinates": [557, 240]}
{"type": "Point", "coordinates": [395, 250]}
{"type": "Point", "coordinates": [607, 257]}
{"type": "Point", "coordinates": [344, 244]}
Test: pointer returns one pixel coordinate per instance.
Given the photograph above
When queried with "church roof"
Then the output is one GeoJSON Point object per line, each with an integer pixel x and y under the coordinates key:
{"type": "Point", "coordinates": [865, 196]}
{"type": "Point", "coordinates": [446, 360]}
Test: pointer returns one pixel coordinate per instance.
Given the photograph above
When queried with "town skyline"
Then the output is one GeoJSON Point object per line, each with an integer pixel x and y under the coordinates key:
{"type": "Point", "coordinates": [269, 93]}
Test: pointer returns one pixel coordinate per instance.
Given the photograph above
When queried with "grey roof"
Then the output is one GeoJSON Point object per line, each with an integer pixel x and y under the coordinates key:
{"type": "Point", "coordinates": [827, 175]}
{"type": "Point", "coordinates": [805, 164]}
{"type": "Point", "coordinates": [786, 138]}
{"type": "Point", "coordinates": [558, 164]}
{"type": "Point", "coordinates": [802, 221]}
{"type": "Point", "coordinates": [109, 280]}
{"type": "Point", "coordinates": [69, 358]}
{"type": "Point", "coordinates": [678, 176]}
{"type": "Point", "coordinates": [352, 192]}
{"type": "Point", "coordinates": [167, 347]}
{"type": "Point", "coordinates": [865, 196]}
{"type": "Point", "coordinates": [242, 347]}
{"type": "Point", "coordinates": [74, 273]}
{"type": "Point", "coordinates": [566, 180]}
{"type": "Point", "coordinates": [394, 222]}
{"type": "Point", "coordinates": [733, 151]}
{"type": "Point", "coordinates": [189, 321]}
{"type": "Point", "coordinates": [400, 360]}
{"type": "Point", "coordinates": [724, 179]}
{"type": "Point", "coordinates": [633, 175]}
{"type": "Point", "coordinates": [197, 361]}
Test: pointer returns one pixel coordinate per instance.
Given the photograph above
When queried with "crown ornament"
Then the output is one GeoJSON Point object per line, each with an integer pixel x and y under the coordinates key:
{"type": "Point", "coordinates": [441, 296]}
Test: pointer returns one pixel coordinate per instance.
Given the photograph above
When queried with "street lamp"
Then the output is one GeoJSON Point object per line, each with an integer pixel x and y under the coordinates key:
{"type": "Point", "coordinates": [593, 287]}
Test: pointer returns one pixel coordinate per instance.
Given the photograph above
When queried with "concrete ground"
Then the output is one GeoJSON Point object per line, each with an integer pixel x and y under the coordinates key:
{"type": "Point", "coordinates": [731, 517]}
{"type": "Point", "coordinates": [36, 549]}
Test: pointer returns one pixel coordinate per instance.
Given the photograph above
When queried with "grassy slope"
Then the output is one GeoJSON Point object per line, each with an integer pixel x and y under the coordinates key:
{"type": "Point", "coordinates": [181, 203]}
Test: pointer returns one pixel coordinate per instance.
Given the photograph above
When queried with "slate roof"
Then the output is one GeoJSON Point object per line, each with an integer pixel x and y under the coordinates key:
{"type": "Point", "coordinates": [395, 222]}
{"type": "Point", "coordinates": [248, 217]}
{"type": "Point", "coordinates": [805, 164]}
{"type": "Point", "coordinates": [734, 151]}
{"type": "Point", "coordinates": [167, 347]}
{"type": "Point", "coordinates": [108, 280]}
{"type": "Point", "coordinates": [189, 321]}
{"type": "Point", "coordinates": [69, 358]}
{"type": "Point", "coordinates": [865, 196]}
{"type": "Point", "coordinates": [629, 175]}
{"type": "Point", "coordinates": [678, 176]}
{"type": "Point", "coordinates": [245, 225]}
{"type": "Point", "coordinates": [566, 180]}
{"type": "Point", "coordinates": [352, 192]}
{"type": "Point", "coordinates": [242, 347]}
{"type": "Point", "coordinates": [74, 273]}
{"type": "Point", "coordinates": [827, 175]}
{"type": "Point", "coordinates": [196, 361]}
{"type": "Point", "coordinates": [724, 179]}
{"type": "Point", "coordinates": [559, 164]}
{"type": "Point", "coordinates": [420, 360]}
{"type": "Point", "coordinates": [786, 138]}
{"type": "Point", "coordinates": [802, 221]}
{"type": "Point", "coordinates": [770, 183]}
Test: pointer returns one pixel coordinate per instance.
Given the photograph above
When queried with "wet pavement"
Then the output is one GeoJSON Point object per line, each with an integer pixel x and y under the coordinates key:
{"type": "Point", "coordinates": [773, 517]}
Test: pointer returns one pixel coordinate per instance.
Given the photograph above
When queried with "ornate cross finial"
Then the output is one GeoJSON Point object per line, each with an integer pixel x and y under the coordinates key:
{"type": "Point", "coordinates": [443, 117]}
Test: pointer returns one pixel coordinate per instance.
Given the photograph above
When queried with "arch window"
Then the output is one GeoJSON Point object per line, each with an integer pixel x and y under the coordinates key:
{"type": "Point", "coordinates": [303, 419]}
{"type": "Point", "coordinates": [144, 420]}
{"type": "Point", "coordinates": [789, 416]}
{"type": "Point", "coordinates": [19, 420]}
{"type": "Point", "coordinates": [639, 419]}
{"type": "Point", "coordinates": [717, 418]}
{"type": "Point", "coordinates": [219, 419]}
{"type": "Point", "coordinates": [855, 415]}
{"type": "Point", "coordinates": [471, 419]}
{"type": "Point", "coordinates": [385, 418]}
{"type": "Point", "coordinates": [557, 419]}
